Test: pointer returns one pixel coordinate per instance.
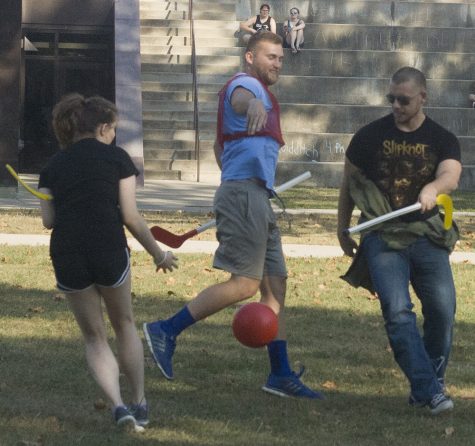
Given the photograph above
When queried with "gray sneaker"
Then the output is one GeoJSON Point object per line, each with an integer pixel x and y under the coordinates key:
{"type": "Point", "coordinates": [440, 403]}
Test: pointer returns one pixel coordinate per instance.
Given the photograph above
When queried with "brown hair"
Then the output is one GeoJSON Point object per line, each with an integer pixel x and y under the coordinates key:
{"type": "Point", "coordinates": [263, 36]}
{"type": "Point", "coordinates": [406, 74]}
{"type": "Point", "coordinates": [74, 116]}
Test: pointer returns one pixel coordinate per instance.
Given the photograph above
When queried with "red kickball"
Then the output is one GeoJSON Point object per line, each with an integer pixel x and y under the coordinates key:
{"type": "Point", "coordinates": [255, 325]}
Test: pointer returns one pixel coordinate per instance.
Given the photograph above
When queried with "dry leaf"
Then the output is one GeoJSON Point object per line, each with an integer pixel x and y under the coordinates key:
{"type": "Point", "coordinates": [36, 309]}
{"type": "Point", "coordinates": [329, 385]}
{"type": "Point", "coordinates": [449, 431]}
{"type": "Point", "coordinates": [100, 404]}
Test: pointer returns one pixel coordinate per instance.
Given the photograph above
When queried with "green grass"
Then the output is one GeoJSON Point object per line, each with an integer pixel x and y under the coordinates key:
{"type": "Point", "coordinates": [47, 395]}
{"type": "Point", "coordinates": [307, 197]}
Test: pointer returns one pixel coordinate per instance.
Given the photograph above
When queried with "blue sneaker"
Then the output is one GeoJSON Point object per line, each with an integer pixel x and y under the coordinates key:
{"type": "Point", "coordinates": [290, 386]}
{"type": "Point", "coordinates": [162, 347]}
{"type": "Point", "coordinates": [125, 420]}
{"type": "Point", "coordinates": [140, 413]}
{"type": "Point", "coordinates": [440, 403]}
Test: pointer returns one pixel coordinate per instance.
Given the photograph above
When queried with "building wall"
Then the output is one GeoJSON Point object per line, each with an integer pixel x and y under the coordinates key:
{"type": "Point", "coordinates": [68, 12]}
{"type": "Point", "coordinates": [10, 53]}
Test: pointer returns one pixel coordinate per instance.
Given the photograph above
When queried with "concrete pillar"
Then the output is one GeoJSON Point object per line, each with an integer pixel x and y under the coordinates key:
{"type": "Point", "coordinates": [128, 90]}
{"type": "Point", "coordinates": [10, 57]}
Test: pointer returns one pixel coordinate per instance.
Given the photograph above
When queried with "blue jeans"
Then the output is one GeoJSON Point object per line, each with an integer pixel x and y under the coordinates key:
{"type": "Point", "coordinates": [423, 359]}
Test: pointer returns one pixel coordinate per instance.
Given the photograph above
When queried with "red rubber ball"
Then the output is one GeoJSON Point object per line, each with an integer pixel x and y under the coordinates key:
{"type": "Point", "coordinates": [255, 325]}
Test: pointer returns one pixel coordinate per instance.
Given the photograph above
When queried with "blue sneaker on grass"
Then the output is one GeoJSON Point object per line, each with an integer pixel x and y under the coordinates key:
{"type": "Point", "coordinates": [140, 413]}
{"type": "Point", "coordinates": [125, 420]}
{"type": "Point", "coordinates": [439, 403]}
{"type": "Point", "coordinates": [290, 386]}
{"type": "Point", "coordinates": [161, 345]}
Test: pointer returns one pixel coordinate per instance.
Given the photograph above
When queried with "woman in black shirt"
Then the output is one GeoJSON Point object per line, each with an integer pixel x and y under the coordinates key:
{"type": "Point", "coordinates": [93, 185]}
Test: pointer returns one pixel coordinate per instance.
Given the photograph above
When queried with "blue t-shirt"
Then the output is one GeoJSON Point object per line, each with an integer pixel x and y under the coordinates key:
{"type": "Point", "coordinates": [248, 157]}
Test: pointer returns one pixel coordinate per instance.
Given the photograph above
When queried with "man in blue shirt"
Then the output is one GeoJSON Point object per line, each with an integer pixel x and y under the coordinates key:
{"type": "Point", "coordinates": [250, 248]}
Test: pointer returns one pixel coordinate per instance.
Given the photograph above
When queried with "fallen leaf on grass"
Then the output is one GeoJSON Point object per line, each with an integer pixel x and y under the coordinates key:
{"type": "Point", "coordinates": [59, 297]}
{"type": "Point", "coordinates": [329, 385]}
{"type": "Point", "coordinates": [100, 404]}
{"type": "Point", "coordinates": [449, 431]}
{"type": "Point", "coordinates": [36, 310]}
{"type": "Point", "coordinates": [171, 281]}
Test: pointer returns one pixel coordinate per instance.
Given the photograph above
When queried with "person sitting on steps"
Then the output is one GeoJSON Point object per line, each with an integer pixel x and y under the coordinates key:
{"type": "Point", "coordinates": [293, 31]}
{"type": "Point", "coordinates": [260, 22]}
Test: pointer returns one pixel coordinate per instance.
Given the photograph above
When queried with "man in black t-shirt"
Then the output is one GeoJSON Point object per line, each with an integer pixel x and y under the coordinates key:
{"type": "Point", "coordinates": [400, 159]}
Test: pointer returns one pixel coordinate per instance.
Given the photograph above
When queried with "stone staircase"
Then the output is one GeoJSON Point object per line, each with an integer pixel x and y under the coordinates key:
{"type": "Point", "coordinates": [169, 134]}
{"type": "Point", "coordinates": [328, 91]}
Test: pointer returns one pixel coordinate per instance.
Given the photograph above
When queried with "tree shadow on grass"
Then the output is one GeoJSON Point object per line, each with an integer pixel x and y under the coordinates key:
{"type": "Point", "coordinates": [47, 393]}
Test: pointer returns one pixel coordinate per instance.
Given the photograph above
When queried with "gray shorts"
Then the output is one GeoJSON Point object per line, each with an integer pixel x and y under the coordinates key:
{"type": "Point", "coordinates": [248, 236]}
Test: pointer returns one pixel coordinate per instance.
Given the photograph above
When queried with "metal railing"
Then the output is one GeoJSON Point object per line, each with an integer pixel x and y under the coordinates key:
{"type": "Point", "coordinates": [196, 121]}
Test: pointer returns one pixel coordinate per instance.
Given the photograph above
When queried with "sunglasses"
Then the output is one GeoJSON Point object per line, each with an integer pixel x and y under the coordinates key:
{"type": "Point", "coordinates": [403, 100]}
{"type": "Point", "coordinates": [294, 13]}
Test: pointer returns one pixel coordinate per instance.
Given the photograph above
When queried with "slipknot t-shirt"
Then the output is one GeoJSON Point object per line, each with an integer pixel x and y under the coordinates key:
{"type": "Point", "coordinates": [401, 163]}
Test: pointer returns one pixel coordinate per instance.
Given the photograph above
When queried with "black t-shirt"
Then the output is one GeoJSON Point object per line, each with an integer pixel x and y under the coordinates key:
{"type": "Point", "coordinates": [84, 181]}
{"type": "Point", "coordinates": [401, 163]}
{"type": "Point", "coordinates": [262, 26]}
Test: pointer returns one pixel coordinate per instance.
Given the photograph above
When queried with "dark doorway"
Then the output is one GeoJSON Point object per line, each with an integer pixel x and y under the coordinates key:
{"type": "Point", "coordinates": [56, 63]}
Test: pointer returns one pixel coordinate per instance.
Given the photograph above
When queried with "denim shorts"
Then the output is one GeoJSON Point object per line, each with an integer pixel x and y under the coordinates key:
{"type": "Point", "coordinates": [78, 271]}
{"type": "Point", "coordinates": [248, 236]}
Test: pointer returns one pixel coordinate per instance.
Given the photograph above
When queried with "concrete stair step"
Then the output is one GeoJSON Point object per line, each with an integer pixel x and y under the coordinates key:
{"type": "Point", "coordinates": [365, 37]}
{"type": "Point", "coordinates": [181, 78]}
{"type": "Point", "coordinates": [164, 14]}
{"type": "Point", "coordinates": [228, 27]}
{"type": "Point", "coordinates": [168, 145]}
{"type": "Point", "coordinates": [152, 108]}
{"type": "Point", "coordinates": [186, 50]}
{"type": "Point", "coordinates": [161, 31]}
{"type": "Point", "coordinates": [187, 165]}
{"type": "Point", "coordinates": [363, 63]}
{"type": "Point", "coordinates": [151, 173]}
{"type": "Point", "coordinates": [165, 68]}
{"type": "Point", "coordinates": [153, 100]}
{"type": "Point", "coordinates": [215, 60]}
{"type": "Point", "coordinates": [342, 63]}
{"type": "Point", "coordinates": [173, 145]}
{"type": "Point", "coordinates": [160, 153]}
{"type": "Point", "coordinates": [363, 91]}
{"type": "Point", "coordinates": [167, 125]}
{"type": "Point", "coordinates": [166, 86]}
{"type": "Point", "coordinates": [329, 118]}
{"type": "Point", "coordinates": [185, 68]}
{"type": "Point", "coordinates": [180, 136]}
{"type": "Point", "coordinates": [165, 49]}
{"type": "Point", "coordinates": [147, 29]}
{"type": "Point", "coordinates": [181, 4]}
{"type": "Point", "coordinates": [166, 40]}
{"type": "Point", "coordinates": [404, 13]}
{"type": "Point", "coordinates": [155, 116]}
{"type": "Point", "coordinates": [177, 78]}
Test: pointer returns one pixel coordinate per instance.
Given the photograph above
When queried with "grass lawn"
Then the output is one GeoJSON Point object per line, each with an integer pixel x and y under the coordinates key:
{"type": "Point", "coordinates": [47, 396]}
